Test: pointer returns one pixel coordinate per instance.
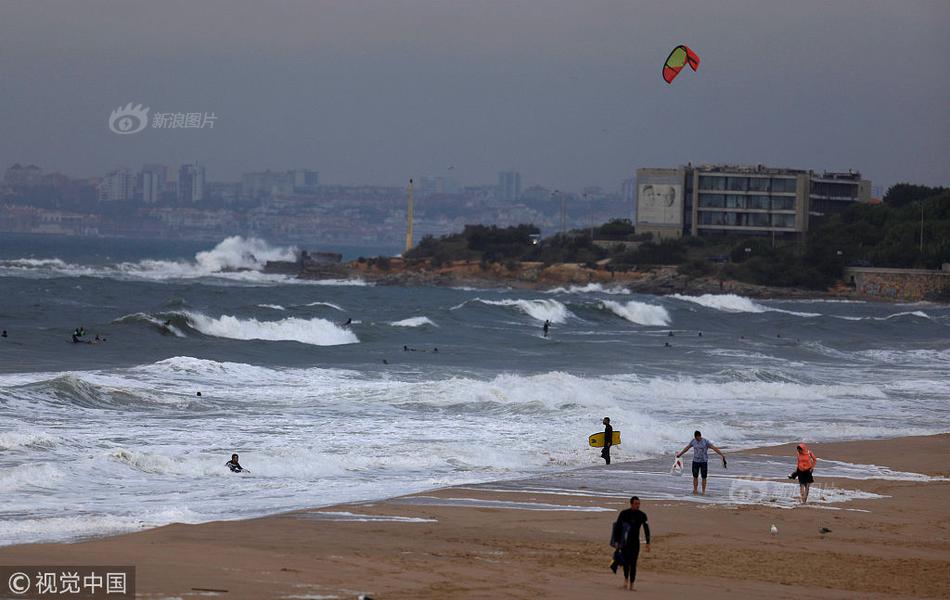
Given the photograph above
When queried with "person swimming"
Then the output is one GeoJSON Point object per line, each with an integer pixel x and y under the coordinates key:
{"type": "Point", "coordinates": [235, 466]}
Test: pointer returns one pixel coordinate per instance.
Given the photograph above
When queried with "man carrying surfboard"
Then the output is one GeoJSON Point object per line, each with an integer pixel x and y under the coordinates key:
{"type": "Point", "coordinates": [608, 440]}
{"type": "Point", "coordinates": [701, 446]}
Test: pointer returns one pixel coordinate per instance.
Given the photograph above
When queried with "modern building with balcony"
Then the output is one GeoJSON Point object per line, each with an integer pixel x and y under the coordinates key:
{"type": "Point", "coordinates": [750, 200]}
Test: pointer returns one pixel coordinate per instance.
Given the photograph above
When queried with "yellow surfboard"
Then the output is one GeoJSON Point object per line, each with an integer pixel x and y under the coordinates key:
{"type": "Point", "coordinates": [597, 440]}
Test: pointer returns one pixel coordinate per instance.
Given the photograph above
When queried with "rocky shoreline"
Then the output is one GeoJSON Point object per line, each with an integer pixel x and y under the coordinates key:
{"type": "Point", "coordinates": [537, 276]}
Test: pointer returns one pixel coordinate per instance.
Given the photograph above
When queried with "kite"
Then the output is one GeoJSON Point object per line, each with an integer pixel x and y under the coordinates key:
{"type": "Point", "coordinates": [678, 58]}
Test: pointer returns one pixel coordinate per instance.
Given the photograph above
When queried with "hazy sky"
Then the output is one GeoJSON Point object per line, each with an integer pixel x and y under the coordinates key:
{"type": "Point", "coordinates": [568, 92]}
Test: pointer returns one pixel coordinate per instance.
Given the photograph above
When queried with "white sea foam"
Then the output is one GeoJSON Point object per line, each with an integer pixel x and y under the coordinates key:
{"type": "Point", "coordinates": [318, 332]}
{"type": "Point", "coordinates": [413, 322]}
{"type": "Point", "coordinates": [541, 309]}
{"type": "Point", "coordinates": [360, 518]}
{"type": "Point", "coordinates": [272, 306]}
{"type": "Point", "coordinates": [13, 531]}
{"type": "Point", "coordinates": [640, 313]}
{"type": "Point", "coordinates": [15, 440]}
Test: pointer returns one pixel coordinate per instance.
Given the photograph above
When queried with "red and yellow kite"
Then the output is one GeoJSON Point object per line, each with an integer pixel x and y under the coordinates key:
{"type": "Point", "coordinates": [678, 58]}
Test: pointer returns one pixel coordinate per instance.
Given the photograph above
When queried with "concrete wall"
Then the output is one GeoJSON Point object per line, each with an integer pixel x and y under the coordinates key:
{"type": "Point", "coordinates": [898, 284]}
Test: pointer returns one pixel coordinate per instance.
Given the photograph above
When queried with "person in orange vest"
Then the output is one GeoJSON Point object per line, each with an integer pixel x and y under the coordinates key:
{"type": "Point", "coordinates": [804, 470]}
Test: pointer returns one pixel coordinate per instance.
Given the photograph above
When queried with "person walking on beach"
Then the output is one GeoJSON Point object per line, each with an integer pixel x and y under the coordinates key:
{"type": "Point", "coordinates": [625, 536]}
{"type": "Point", "coordinates": [701, 446]}
{"type": "Point", "coordinates": [804, 470]}
{"type": "Point", "coordinates": [608, 440]}
{"type": "Point", "coordinates": [547, 325]}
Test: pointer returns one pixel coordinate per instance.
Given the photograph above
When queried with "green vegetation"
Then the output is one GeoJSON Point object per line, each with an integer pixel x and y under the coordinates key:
{"type": "Point", "coordinates": [882, 235]}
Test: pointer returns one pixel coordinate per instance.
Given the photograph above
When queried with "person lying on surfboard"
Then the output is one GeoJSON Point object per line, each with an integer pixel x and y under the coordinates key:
{"type": "Point", "coordinates": [235, 466]}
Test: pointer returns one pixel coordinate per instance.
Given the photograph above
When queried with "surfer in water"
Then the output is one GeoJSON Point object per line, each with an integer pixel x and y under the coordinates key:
{"type": "Point", "coordinates": [625, 537]}
{"type": "Point", "coordinates": [235, 466]}
{"type": "Point", "coordinates": [547, 326]}
{"type": "Point", "coordinates": [701, 446]}
{"type": "Point", "coordinates": [4, 334]}
{"type": "Point", "coordinates": [608, 440]}
{"type": "Point", "coordinates": [348, 321]}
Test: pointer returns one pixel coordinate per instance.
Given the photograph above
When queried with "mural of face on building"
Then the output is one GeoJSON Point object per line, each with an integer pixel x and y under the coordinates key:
{"type": "Point", "coordinates": [660, 203]}
{"type": "Point", "coordinates": [659, 195]}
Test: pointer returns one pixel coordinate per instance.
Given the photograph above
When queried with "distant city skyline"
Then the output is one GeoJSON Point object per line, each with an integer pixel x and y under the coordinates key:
{"type": "Point", "coordinates": [567, 94]}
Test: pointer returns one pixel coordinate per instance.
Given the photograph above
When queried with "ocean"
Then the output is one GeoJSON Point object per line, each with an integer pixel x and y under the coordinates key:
{"type": "Point", "coordinates": [426, 387]}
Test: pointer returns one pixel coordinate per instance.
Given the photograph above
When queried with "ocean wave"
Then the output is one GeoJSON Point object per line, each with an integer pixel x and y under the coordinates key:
{"type": "Point", "coordinates": [541, 310]}
{"type": "Point", "coordinates": [590, 288]}
{"type": "Point", "coordinates": [737, 304]}
{"type": "Point", "coordinates": [329, 304]}
{"type": "Point", "coordinates": [15, 440]}
{"type": "Point", "coordinates": [77, 391]}
{"type": "Point", "coordinates": [413, 322]}
{"type": "Point", "coordinates": [640, 313]}
{"type": "Point", "coordinates": [163, 325]}
{"type": "Point", "coordinates": [236, 258]}
{"type": "Point", "coordinates": [34, 263]}
{"type": "Point", "coordinates": [317, 332]}
{"type": "Point", "coordinates": [272, 306]}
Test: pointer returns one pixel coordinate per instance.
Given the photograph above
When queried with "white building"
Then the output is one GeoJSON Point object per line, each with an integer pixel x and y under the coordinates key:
{"type": "Point", "coordinates": [117, 186]}
{"type": "Point", "coordinates": [191, 184]}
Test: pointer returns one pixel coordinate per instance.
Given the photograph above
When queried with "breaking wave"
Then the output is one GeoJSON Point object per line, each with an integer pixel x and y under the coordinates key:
{"type": "Point", "coordinates": [590, 288]}
{"type": "Point", "coordinates": [317, 332]}
{"type": "Point", "coordinates": [736, 304]}
{"type": "Point", "coordinates": [413, 322]}
{"type": "Point", "coordinates": [640, 313]}
{"type": "Point", "coordinates": [541, 310]}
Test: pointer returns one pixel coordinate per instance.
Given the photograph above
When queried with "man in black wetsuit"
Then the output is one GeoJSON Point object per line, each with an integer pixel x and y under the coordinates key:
{"type": "Point", "coordinates": [234, 465]}
{"type": "Point", "coordinates": [626, 538]}
{"type": "Point", "coordinates": [608, 440]}
{"type": "Point", "coordinates": [547, 325]}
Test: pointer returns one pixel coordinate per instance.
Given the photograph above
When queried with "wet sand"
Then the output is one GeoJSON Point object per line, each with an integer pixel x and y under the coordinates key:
{"type": "Point", "coordinates": [547, 538]}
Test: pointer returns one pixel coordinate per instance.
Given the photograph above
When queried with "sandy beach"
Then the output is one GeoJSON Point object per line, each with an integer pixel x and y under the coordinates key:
{"type": "Point", "coordinates": [516, 542]}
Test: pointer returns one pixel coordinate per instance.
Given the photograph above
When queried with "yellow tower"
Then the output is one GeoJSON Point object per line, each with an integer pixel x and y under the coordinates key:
{"type": "Point", "coordinates": [409, 219]}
